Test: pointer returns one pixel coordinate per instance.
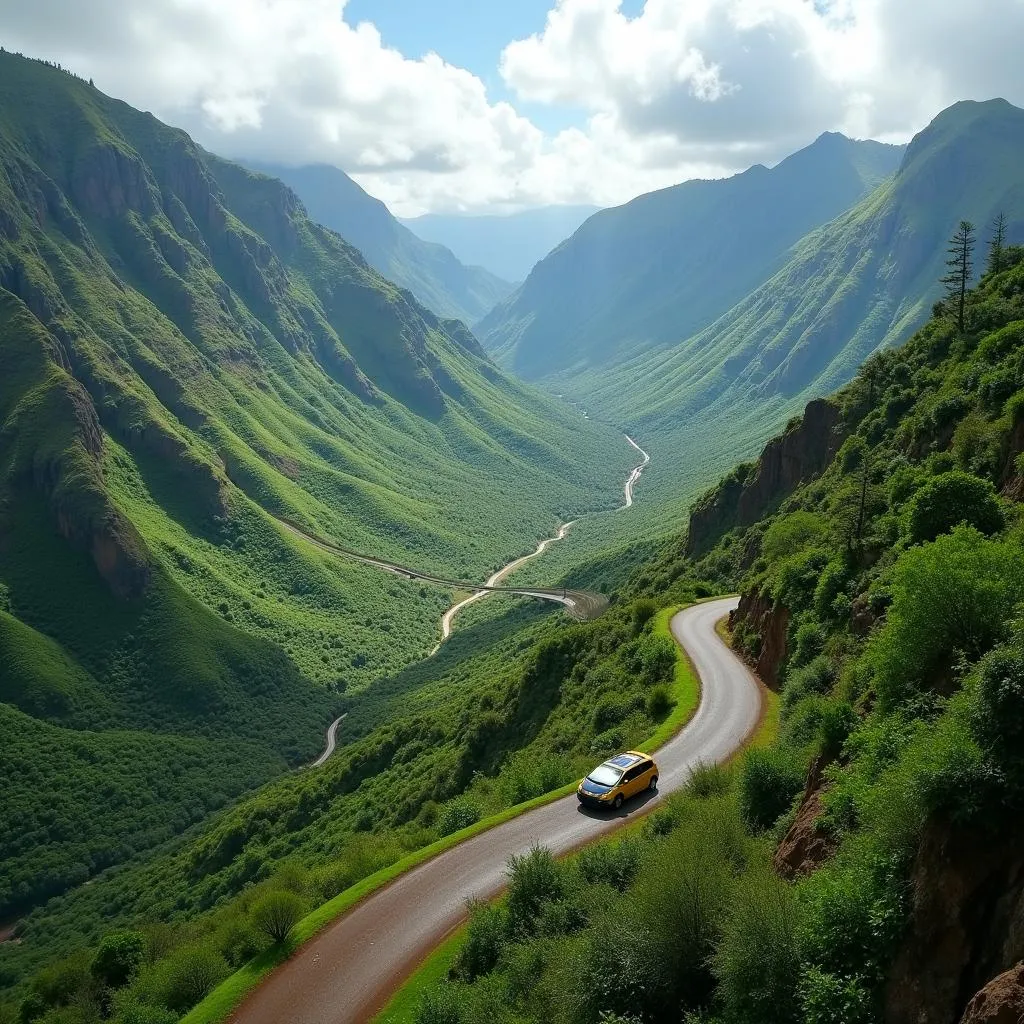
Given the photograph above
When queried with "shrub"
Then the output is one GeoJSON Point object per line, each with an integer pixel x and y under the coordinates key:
{"type": "Point", "coordinates": [827, 998]}
{"type": "Point", "coordinates": [953, 595]}
{"type": "Point", "coordinates": [457, 815]}
{"type": "Point", "coordinates": [642, 612]}
{"type": "Point", "coordinates": [770, 779]}
{"type": "Point", "coordinates": [608, 712]}
{"type": "Point", "coordinates": [485, 939]}
{"type": "Point", "coordinates": [188, 975]}
{"type": "Point", "coordinates": [653, 659]}
{"type": "Point", "coordinates": [793, 533]}
{"type": "Point", "coordinates": [276, 914]}
{"type": "Point", "coordinates": [708, 780]}
{"type": "Point", "coordinates": [118, 959]}
{"type": "Point", "coordinates": [535, 879]}
{"type": "Point", "coordinates": [439, 1006]}
{"type": "Point", "coordinates": [757, 962]}
{"type": "Point", "coordinates": [999, 713]}
{"type": "Point", "coordinates": [807, 643]}
{"type": "Point", "coordinates": [611, 863]}
{"type": "Point", "coordinates": [950, 499]}
{"type": "Point", "coordinates": [659, 702]}
{"type": "Point", "coordinates": [238, 941]}
{"type": "Point", "coordinates": [130, 1011]}
{"type": "Point", "coordinates": [816, 677]}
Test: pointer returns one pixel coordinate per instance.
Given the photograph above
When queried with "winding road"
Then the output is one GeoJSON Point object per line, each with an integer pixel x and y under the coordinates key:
{"type": "Point", "coordinates": [635, 475]}
{"type": "Point", "coordinates": [346, 973]}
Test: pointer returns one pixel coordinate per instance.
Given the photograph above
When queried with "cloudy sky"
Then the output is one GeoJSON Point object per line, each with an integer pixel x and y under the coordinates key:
{"type": "Point", "coordinates": [443, 105]}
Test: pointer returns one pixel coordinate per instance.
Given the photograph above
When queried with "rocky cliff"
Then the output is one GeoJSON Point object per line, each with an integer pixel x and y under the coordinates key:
{"type": "Point", "coordinates": [751, 492]}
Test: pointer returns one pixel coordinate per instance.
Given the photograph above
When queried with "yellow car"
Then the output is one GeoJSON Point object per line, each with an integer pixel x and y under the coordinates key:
{"type": "Point", "coordinates": [619, 778]}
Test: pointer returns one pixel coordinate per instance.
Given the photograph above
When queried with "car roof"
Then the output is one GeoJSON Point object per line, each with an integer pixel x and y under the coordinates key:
{"type": "Point", "coordinates": [626, 760]}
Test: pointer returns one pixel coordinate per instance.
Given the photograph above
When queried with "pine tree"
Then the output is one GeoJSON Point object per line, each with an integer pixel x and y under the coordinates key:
{"type": "Point", "coordinates": [997, 245]}
{"type": "Point", "coordinates": [960, 266]}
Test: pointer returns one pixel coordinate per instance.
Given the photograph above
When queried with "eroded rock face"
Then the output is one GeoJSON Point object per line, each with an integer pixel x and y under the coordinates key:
{"type": "Point", "coordinates": [795, 456]}
{"type": "Point", "coordinates": [806, 846]}
{"type": "Point", "coordinates": [1001, 1001]}
{"type": "Point", "coordinates": [966, 924]}
{"type": "Point", "coordinates": [771, 622]}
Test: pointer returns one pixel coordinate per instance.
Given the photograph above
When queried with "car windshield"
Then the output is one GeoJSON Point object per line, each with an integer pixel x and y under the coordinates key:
{"type": "Point", "coordinates": [605, 775]}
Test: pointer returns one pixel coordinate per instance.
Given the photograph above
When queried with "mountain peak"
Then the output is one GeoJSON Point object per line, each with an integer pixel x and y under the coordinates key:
{"type": "Point", "coordinates": [961, 123]}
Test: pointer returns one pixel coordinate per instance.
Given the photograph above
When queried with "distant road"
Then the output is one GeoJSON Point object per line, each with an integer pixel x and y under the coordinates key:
{"type": "Point", "coordinates": [347, 973]}
{"type": "Point", "coordinates": [332, 739]}
{"type": "Point", "coordinates": [635, 475]}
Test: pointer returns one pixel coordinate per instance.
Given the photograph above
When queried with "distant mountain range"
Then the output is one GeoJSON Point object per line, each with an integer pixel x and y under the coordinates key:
{"type": "Point", "coordinates": [433, 274]}
{"type": "Point", "coordinates": [668, 263]}
{"type": "Point", "coordinates": [864, 281]}
{"type": "Point", "coordinates": [508, 245]}
{"type": "Point", "coordinates": [703, 316]}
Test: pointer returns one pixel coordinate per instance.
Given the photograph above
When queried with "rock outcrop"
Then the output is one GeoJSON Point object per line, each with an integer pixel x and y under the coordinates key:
{"type": "Point", "coordinates": [1001, 1001]}
{"type": "Point", "coordinates": [966, 924]}
{"type": "Point", "coordinates": [806, 846]}
{"type": "Point", "coordinates": [770, 622]}
{"type": "Point", "coordinates": [801, 452]}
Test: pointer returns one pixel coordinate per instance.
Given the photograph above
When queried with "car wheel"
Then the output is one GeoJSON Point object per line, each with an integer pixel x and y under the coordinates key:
{"type": "Point", "coordinates": [654, 783]}
{"type": "Point", "coordinates": [618, 801]}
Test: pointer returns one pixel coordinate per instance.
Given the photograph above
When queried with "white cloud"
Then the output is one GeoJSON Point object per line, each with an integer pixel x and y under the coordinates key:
{"type": "Point", "coordinates": [685, 88]}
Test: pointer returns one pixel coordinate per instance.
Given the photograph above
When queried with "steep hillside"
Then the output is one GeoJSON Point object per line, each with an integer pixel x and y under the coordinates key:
{"type": "Point", "coordinates": [430, 271]}
{"type": "Point", "coordinates": [866, 864]}
{"type": "Point", "coordinates": [508, 245]}
{"type": "Point", "coordinates": [862, 282]}
{"type": "Point", "coordinates": [184, 356]}
{"type": "Point", "coordinates": [664, 266]}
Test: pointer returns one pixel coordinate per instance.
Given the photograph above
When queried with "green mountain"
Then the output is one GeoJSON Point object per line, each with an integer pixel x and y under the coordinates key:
{"type": "Point", "coordinates": [185, 359]}
{"type": "Point", "coordinates": [509, 245]}
{"type": "Point", "coordinates": [862, 861]}
{"type": "Point", "coordinates": [430, 271]}
{"type": "Point", "coordinates": [862, 282]}
{"type": "Point", "coordinates": [667, 264]}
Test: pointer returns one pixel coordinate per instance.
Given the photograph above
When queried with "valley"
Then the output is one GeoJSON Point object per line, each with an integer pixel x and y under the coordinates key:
{"type": "Point", "coordinates": [267, 747]}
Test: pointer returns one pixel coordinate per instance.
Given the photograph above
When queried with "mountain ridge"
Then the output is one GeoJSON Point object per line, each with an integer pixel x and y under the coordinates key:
{"type": "Point", "coordinates": [432, 272]}
{"type": "Point", "coordinates": [668, 263]}
{"type": "Point", "coordinates": [186, 357]}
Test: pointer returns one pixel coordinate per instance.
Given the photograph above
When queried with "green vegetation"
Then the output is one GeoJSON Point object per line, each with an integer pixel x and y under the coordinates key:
{"type": "Point", "coordinates": [185, 358]}
{"type": "Point", "coordinates": [463, 736]}
{"type": "Point", "coordinates": [702, 363]}
{"type": "Point", "coordinates": [901, 680]}
{"type": "Point", "coordinates": [461, 290]}
{"type": "Point", "coordinates": [638, 276]}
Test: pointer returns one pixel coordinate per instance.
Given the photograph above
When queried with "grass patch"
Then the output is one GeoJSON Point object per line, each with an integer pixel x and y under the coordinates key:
{"type": "Point", "coordinates": [685, 686]}
{"type": "Point", "coordinates": [402, 1006]}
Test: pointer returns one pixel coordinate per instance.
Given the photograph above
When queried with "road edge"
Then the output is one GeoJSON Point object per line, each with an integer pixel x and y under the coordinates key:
{"type": "Point", "coordinates": [227, 997]}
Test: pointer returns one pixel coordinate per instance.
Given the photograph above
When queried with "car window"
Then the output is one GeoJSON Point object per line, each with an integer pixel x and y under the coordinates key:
{"type": "Point", "coordinates": [631, 775]}
{"type": "Point", "coordinates": [605, 775]}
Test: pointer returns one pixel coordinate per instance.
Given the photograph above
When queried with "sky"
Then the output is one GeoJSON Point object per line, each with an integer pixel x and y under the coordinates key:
{"type": "Point", "coordinates": [496, 105]}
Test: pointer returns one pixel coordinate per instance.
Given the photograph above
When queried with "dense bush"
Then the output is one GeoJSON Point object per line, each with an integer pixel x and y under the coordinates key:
{"type": "Point", "coordinates": [757, 961]}
{"type": "Point", "coordinates": [119, 958]}
{"type": "Point", "coordinates": [535, 879]}
{"type": "Point", "coordinates": [457, 815]}
{"type": "Point", "coordinates": [949, 500]}
{"type": "Point", "coordinates": [276, 913]}
{"type": "Point", "coordinates": [951, 597]}
{"type": "Point", "coordinates": [485, 939]}
{"type": "Point", "coordinates": [770, 779]}
{"type": "Point", "coordinates": [187, 975]}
